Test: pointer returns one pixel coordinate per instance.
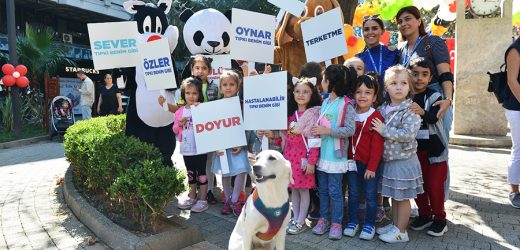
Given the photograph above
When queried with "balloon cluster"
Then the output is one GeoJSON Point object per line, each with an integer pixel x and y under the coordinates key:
{"type": "Point", "coordinates": [355, 44]}
{"type": "Point", "coordinates": [368, 8]}
{"type": "Point", "coordinates": [15, 76]}
{"type": "Point", "coordinates": [387, 9]}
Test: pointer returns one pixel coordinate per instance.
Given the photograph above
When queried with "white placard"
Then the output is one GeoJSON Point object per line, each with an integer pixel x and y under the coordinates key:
{"type": "Point", "coordinates": [157, 65]}
{"type": "Point", "coordinates": [324, 36]}
{"type": "Point", "coordinates": [252, 36]}
{"type": "Point", "coordinates": [114, 45]}
{"type": "Point", "coordinates": [294, 7]}
{"type": "Point", "coordinates": [218, 125]}
{"type": "Point", "coordinates": [218, 65]}
{"type": "Point", "coordinates": [265, 101]}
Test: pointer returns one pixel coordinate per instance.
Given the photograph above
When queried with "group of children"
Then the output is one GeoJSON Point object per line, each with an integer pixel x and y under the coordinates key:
{"type": "Point", "coordinates": [340, 134]}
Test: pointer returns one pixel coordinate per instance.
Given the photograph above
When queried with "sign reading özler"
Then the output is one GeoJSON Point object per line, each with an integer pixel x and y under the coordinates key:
{"type": "Point", "coordinates": [323, 37]}
{"type": "Point", "coordinates": [157, 65]}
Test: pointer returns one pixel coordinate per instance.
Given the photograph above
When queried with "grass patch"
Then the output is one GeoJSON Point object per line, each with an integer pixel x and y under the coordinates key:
{"type": "Point", "coordinates": [28, 131]}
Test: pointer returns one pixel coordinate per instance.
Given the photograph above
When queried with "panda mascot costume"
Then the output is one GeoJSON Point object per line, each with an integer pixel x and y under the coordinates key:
{"type": "Point", "coordinates": [145, 118]}
{"type": "Point", "coordinates": [207, 32]}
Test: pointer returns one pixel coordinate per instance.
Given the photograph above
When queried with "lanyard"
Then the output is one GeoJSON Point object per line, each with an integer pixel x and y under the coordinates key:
{"type": "Point", "coordinates": [303, 137]}
{"type": "Point", "coordinates": [326, 109]}
{"type": "Point", "coordinates": [407, 57]}
{"type": "Point", "coordinates": [358, 140]}
{"type": "Point", "coordinates": [378, 70]}
{"type": "Point", "coordinates": [392, 117]}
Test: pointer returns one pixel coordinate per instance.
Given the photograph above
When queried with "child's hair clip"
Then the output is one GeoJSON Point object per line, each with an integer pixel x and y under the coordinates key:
{"type": "Point", "coordinates": [312, 80]}
{"type": "Point", "coordinates": [295, 80]}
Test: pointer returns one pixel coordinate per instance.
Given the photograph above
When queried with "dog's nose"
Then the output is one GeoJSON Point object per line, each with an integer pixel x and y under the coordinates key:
{"type": "Point", "coordinates": [213, 44]}
{"type": "Point", "coordinates": [257, 168]}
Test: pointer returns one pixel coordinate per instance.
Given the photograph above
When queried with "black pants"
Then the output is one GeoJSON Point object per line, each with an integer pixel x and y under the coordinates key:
{"type": "Point", "coordinates": [196, 168]}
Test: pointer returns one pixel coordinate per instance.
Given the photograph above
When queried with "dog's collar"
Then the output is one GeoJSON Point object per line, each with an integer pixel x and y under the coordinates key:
{"type": "Point", "coordinates": [274, 216]}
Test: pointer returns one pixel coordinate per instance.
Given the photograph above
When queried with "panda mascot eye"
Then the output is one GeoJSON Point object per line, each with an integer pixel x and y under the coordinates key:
{"type": "Point", "coordinates": [158, 24]}
{"type": "Point", "coordinates": [226, 39]}
{"type": "Point", "coordinates": [147, 24]}
{"type": "Point", "coordinates": [198, 37]}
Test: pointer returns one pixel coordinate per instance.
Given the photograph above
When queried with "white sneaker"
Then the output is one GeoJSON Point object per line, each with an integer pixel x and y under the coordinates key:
{"type": "Point", "coordinates": [186, 203]}
{"type": "Point", "coordinates": [395, 236]}
{"type": "Point", "coordinates": [385, 229]}
{"type": "Point", "coordinates": [514, 198]}
{"type": "Point", "coordinates": [351, 229]}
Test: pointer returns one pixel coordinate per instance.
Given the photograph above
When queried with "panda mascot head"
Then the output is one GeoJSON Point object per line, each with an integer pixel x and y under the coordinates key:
{"type": "Point", "coordinates": [207, 31]}
{"type": "Point", "coordinates": [145, 118]}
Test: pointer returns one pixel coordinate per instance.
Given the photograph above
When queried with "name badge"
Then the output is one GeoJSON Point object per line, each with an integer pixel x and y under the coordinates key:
{"type": "Point", "coordinates": [423, 134]}
{"type": "Point", "coordinates": [351, 164]}
{"type": "Point", "coordinates": [305, 162]}
{"type": "Point", "coordinates": [314, 142]}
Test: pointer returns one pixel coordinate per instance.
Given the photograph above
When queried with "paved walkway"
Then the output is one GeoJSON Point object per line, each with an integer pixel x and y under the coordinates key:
{"type": "Point", "coordinates": [479, 214]}
{"type": "Point", "coordinates": [33, 214]}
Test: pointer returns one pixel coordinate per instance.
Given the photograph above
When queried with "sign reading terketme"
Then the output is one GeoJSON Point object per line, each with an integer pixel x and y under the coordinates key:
{"type": "Point", "coordinates": [265, 101]}
{"type": "Point", "coordinates": [323, 36]}
{"type": "Point", "coordinates": [295, 7]}
{"type": "Point", "coordinates": [252, 36]}
{"type": "Point", "coordinates": [114, 45]}
{"type": "Point", "coordinates": [157, 65]}
{"type": "Point", "coordinates": [218, 130]}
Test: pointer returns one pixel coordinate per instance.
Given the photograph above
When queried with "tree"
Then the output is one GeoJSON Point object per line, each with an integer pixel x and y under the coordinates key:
{"type": "Point", "coordinates": [349, 8]}
{"type": "Point", "coordinates": [40, 53]}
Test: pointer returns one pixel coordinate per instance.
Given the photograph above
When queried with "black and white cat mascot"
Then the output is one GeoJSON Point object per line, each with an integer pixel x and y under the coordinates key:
{"type": "Point", "coordinates": [145, 118]}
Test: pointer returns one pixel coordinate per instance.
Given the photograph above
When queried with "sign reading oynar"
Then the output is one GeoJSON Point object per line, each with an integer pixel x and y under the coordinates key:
{"type": "Point", "coordinates": [253, 36]}
{"type": "Point", "coordinates": [218, 125]}
{"type": "Point", "coordinates": [324, 36]}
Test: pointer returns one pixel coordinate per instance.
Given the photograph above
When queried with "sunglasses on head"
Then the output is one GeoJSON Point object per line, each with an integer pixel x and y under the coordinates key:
{"type": "Point", "coordinates": [366, 18]}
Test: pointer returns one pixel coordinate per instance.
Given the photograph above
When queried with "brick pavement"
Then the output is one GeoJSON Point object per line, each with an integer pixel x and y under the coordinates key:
{"type": "Point", "coordinates": [33, 214]}
{"type": "Point", "coordinates": [478, 211]}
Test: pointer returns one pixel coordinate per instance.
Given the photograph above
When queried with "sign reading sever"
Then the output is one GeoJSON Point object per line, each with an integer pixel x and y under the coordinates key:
{"type": "Point", "coordinates": [218, 125]}
{"type": "Point", "coordinates": [323, 37]}
{"type": "Point", "coordinates": [265, 102]}
{"type": "Point", "coordinates": [253, 36]}
{"type": "Point", "coordinates": [114, 45]}
{"type": "Point", "coordinates": [157, 65]}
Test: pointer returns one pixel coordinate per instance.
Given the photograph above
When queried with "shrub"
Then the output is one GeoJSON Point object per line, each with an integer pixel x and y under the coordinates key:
{"type": "Point", "coordinates": [128, 173]}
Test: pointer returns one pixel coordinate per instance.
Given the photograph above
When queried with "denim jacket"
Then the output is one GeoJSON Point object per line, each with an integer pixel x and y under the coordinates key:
{"type": "Point", "coordinates": [400, 131]}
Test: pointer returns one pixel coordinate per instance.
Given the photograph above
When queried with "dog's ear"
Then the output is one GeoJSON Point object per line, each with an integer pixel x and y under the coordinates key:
{"type": "Point", "coordinates": [288, 165]}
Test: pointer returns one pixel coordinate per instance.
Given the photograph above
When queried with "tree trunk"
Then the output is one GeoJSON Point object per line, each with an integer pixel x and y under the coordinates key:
{"type": "Point", "coordinates": [349, 8]}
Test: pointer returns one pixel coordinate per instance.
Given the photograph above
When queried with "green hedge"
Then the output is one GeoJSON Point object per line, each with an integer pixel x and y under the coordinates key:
{"type": "Point", "coordinates": [127, 172]}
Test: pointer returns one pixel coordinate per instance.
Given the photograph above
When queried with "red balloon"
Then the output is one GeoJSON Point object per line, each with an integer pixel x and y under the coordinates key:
{"type": "Point", "coordinates": [22, 82]}
{"type": "Point", "coordinates": [352, 41]}
{"type": "Point", "coordinates": [8, 69]}
{"type": "Point", "coordinates": [8, 80]}
{"type": "Point", "coordinates": [21, 69]}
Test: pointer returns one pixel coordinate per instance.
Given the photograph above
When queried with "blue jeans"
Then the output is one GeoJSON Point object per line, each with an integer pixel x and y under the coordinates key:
{"type": "Point", "coordinates": [446, 123]}
{"type": "Point", "coordinates": [329, 187]}
{"type": "Point", "coordinates": [356, 184]}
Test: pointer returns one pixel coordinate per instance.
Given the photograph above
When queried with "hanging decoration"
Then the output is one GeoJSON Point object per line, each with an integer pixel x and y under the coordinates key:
{"type": "Point", "coordinates": [15, 76]}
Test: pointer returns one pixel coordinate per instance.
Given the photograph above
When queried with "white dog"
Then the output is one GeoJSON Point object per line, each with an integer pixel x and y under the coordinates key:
{"type": "Point", "coordinates": [264, 219]}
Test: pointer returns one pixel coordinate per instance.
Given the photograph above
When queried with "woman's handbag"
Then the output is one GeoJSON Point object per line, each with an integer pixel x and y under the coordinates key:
{"type": "Point", "coordinates": [498, 84]}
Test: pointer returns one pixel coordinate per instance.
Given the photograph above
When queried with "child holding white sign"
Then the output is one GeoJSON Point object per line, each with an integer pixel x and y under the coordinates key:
{"type": "Point", "coordinates": [335, 125]}
{"type": "Point", "coordinates": [237, 159]}
{"type": "Point", "coordinates": [303, 111]}
{"type": "Point", "coordinates": [191, 91]}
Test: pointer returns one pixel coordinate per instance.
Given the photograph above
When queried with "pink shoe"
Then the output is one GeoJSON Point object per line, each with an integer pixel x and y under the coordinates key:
{"type": "Point", "coordinates": [200, 206]}
{"type": "Point", "coordinates": [335, 232]}
{"type": "Point", "coordinates": [226, 209]}
{"type": "Point", "coordinates": [186, 203]}
{"type": "Point", "coordinates": [237, 208]}
{"type": "Point", "coordinates": [322, 227]}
